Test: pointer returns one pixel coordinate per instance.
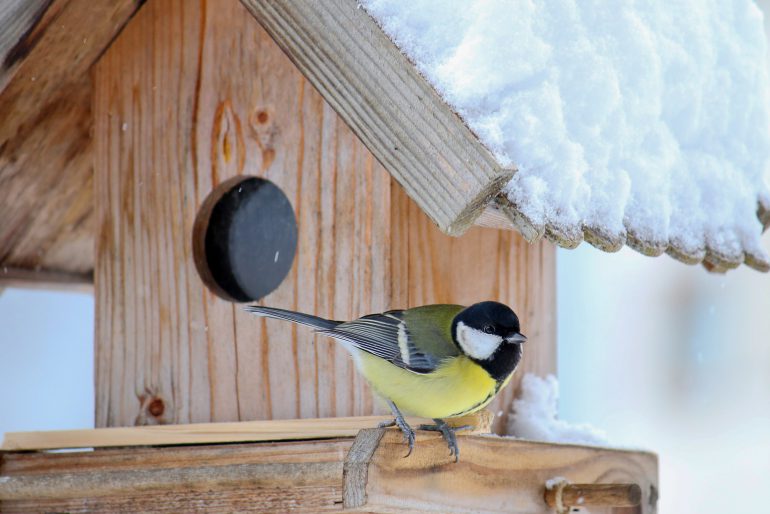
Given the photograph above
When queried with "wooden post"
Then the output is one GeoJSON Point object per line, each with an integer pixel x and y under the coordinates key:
{"type": "Point", "coordinates": [195, 92]}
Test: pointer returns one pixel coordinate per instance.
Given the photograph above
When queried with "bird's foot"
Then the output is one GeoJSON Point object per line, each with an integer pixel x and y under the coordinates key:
{"type": "Point", "coordinates": [448, 433]}
{"type": "Point", "coordinates": [401, 423]}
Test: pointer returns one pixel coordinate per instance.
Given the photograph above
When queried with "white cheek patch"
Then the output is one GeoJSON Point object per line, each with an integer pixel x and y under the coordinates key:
{"type": "Point", "coordinates": [476, 343]}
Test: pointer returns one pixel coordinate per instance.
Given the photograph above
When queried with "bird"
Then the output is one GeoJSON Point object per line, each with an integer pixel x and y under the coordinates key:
{"type": "Point", "coordinates": [433, 361]}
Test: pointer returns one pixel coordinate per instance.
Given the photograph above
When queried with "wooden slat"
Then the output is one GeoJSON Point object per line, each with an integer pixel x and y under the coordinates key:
{"type": "Point", "coordinates": [17, 21]}
{"type": "Point", "coordinates": [168, 350]}
{"type": "Point", "coordinates": [395, 112]}
{"type": "Point", "coordinates": [46, 196]}
{"type": "Point", "coordinates": [24, 278]}
{"type": "Point", "coordinates": [207, 433]}
{"type": "Point", "coordinates": [493, 475]}
{"type": "Point", "coordinates": [296, 477]}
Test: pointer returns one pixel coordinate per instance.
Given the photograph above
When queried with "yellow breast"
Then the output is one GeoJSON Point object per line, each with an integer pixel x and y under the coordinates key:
{"type": "Point", "coordinates": [457, 387]}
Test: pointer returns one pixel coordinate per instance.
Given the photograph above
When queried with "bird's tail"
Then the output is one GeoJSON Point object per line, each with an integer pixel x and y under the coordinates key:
{"type": "Point", "coordinates": [294, 317]}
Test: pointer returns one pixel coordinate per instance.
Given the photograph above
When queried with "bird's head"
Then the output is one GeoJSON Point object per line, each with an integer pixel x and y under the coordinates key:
{"type": "Point", "coordinates": [481, 329]}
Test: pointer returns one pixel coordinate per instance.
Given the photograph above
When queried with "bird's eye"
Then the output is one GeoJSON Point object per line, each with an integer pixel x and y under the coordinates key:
{"type": "Point", "coordinates": [488, 329]}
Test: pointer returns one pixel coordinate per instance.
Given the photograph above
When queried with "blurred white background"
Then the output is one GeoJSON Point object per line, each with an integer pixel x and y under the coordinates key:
{"type": "Point", "coordinates": [46, 360]}
{"type": "Point", "coordinates": [668, 357]}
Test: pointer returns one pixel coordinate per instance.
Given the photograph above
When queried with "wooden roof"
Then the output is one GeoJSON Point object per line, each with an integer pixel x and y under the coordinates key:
{"type": "Point", "coordinates": [47, 48]}
{"type": "Point", "coordinates": [46, 196]}
{"type": "Point", "coordinates": [425, 145]}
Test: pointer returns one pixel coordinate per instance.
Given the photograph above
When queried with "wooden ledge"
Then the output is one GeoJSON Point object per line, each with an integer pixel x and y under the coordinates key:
{"type": "Point", "coordinates": [210, 433]}
{"type": "Point", "coordinates": [365, 474]}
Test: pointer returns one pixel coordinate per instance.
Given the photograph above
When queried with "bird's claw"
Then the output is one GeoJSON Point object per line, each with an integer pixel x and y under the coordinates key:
{"type": "Point", "coordinates": [401, 423]}
{"type": "Point", "coordinates": [449, 435]}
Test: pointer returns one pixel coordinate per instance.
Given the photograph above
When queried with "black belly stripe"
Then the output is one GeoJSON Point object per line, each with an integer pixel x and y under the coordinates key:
{"type": "Point", "coordinates": [477, 405]}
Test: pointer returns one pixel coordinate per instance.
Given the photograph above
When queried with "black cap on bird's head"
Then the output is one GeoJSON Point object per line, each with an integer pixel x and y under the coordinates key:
{"type": "Point", "coordinates": [489, 333]}
{"type": "Point", "coordinates": [492, 318]}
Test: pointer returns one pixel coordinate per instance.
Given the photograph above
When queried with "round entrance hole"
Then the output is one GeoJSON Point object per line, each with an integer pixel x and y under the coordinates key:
{"type": "Point", "coordinates": [244, 239]}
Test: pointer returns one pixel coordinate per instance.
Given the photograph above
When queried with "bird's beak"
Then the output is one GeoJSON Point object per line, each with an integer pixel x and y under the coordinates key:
{"type": "Point", "coordinates": [517, 338]}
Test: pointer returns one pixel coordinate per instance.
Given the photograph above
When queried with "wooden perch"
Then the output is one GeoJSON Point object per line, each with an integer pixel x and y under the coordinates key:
{"type": "Point", "coordinates": [494, 474]}
{"type": "Point", "coordinates": [399, 116]}
{"type": "Point", "coordinates": [208, 433]}
{"type": "Point", "coordinates": [368, 474]}
{"type": "Point", "coordinates": [600, 495]}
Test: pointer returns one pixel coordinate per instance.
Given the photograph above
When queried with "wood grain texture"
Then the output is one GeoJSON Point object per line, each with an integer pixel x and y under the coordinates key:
{"type": "Point", "coordinates": [49, 280]}
{"type": "Point", "coordinates": [17, 20]}
{"type": "Point", "coordinates": [296, 477]}
{"type": "Point", "coordinates": [190, 95]}
{"type": "Point", "coordinates": [46, 181]}
{"type": "Point", "coordinates": [601, 495]}
{"type": "Point", "coordinates": [399, 116]}
{"type": "Point", "coordinates": [493, 475]}
{"type": "Point", "coordinates": [209, 433]}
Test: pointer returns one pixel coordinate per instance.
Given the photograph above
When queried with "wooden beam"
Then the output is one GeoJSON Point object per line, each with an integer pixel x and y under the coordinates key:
{"type": "Point", "coordinates": [399, 116]}
{"type": "Point", "coordinates": [368, 474]}
{"type": "Point", "coordinates": [46, 199]}
{"type": "Point", "coordinates": [44, 279]}
{"type": "Point", "coordinates": [17, 22]}
{"type": "Point", "coordinates": [209, 433]}
{"type": "Point", "coordinates": [494, 474]}
{"type": "Point", "coordinates": [296, 477]}
{"type": "Point", "coordinates": [594, 495]}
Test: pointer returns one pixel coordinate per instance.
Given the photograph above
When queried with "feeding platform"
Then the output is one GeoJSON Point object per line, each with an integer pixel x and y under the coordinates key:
{"type": "Point", "coordinates": [313, 465]}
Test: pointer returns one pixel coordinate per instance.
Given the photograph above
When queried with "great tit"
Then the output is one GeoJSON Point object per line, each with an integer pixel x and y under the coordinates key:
{"type": "Point", "coordinates": [434, 361]}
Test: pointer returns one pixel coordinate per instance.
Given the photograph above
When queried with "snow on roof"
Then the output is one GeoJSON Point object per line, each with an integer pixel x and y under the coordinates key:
{"type": "Point", "coordinates": [639, 123]}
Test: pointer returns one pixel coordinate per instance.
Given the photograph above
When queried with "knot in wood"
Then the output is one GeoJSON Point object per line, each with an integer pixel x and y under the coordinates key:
{"type": "Point", "coordinates": [156, 407]}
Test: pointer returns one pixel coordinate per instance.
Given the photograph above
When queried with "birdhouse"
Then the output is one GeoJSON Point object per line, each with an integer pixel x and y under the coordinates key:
{"type": "Point", "coordinates": [183, 158]}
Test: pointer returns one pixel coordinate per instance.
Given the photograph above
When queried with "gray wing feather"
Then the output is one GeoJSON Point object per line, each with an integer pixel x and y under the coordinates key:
{"type": "Point", "coordinates": [386, 336]}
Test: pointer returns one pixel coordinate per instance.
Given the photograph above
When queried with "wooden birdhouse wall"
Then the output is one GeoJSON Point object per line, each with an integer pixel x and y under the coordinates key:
{"type": "Point", "coordinates": [190, 94]}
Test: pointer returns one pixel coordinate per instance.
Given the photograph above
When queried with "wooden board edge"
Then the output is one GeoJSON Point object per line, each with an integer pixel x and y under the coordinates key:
{"type": "Point", "coordinates": [11, 276]}
{"type": "Point", "coordinates": [208, 433]}
{"type": "Point", "coordinates": [395, 112]}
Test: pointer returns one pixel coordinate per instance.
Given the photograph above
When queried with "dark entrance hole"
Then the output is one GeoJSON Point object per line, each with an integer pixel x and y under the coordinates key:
{"type": "Point", "coordinates": [244, 238]}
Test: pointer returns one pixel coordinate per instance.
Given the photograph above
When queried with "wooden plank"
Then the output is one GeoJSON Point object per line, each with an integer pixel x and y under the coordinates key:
{"type": "Point", "coordinates": [208, 433]}
{"type": "Point", "coordinates": [42, 279]}
{"type": "Point", "coordinates": [296, 477]}
{"type": "Point", "coordinates": [389, 105]}
{"type": "Point", "coordinates": [17, 18]}
{"type": "Point", "coordinates": [601, 495]}
{"type": "Point", "coordinates": [484, 264]}
{"type": "Point", "coordinates": [46, 196]}
{"type": "Point", "coordinates": [494, 475]}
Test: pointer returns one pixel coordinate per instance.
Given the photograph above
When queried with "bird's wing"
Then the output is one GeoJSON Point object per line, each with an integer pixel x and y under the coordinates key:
{"type": "Point", "coordinates": [386, 335]}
